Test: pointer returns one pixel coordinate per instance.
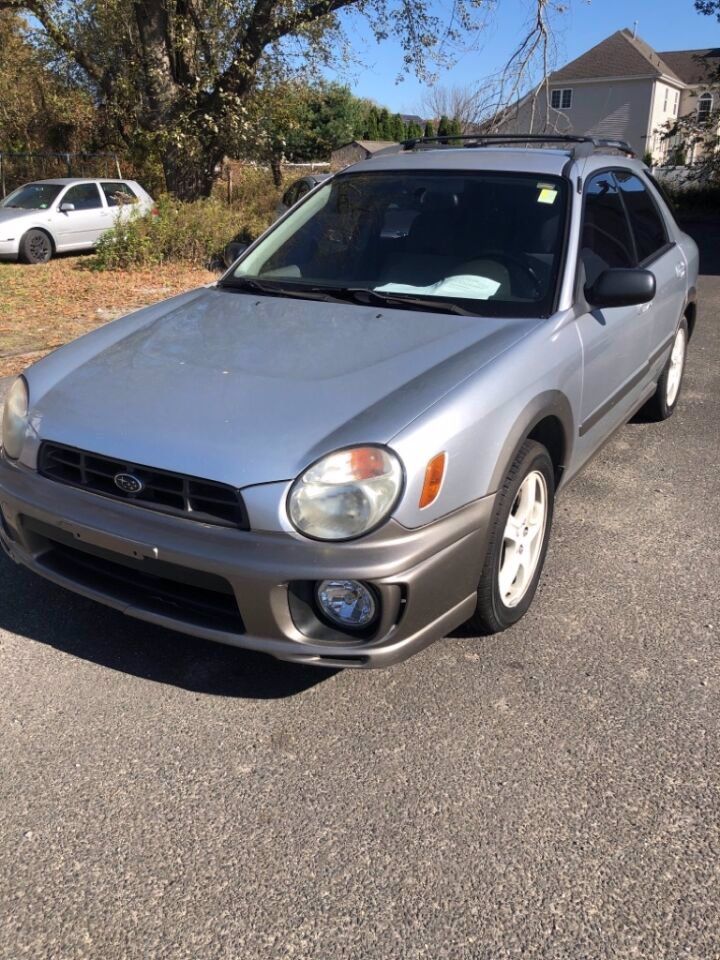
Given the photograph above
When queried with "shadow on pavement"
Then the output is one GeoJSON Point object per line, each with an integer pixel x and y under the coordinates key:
{"type": "Point", "coordinates": [34, 608]}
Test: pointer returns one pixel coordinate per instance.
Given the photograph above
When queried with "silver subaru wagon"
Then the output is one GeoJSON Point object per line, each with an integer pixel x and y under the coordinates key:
{"type": "Point", "coordinates": [351, 443]}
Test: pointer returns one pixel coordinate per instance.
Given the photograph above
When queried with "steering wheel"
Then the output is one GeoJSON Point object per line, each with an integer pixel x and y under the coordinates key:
{"type": "Point", "coordinates": [520, 260]}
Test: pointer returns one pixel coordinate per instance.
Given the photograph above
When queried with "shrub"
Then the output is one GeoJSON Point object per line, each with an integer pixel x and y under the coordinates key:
{"type": "Point", "coordinates": [193, 233]}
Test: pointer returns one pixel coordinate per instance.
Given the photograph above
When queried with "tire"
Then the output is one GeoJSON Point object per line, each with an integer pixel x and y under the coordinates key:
{"type": "Point", "coordinates": [36, 247]}
{"type": "Point", "coordinates": [501, 601]}
{"type": "Point", "coordinates": [662, 403]}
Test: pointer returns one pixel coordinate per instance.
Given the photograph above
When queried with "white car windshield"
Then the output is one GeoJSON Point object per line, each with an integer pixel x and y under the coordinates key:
{"type": "Point", "coordinates": [33, 196]}
{"type": "Point", "coordinates": [482, 242]}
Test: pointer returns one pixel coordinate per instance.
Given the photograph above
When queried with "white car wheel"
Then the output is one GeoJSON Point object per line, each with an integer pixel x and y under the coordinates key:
{"type": "Point", "coordinates": [523, 539]}
{"type": "Point", "coordinates": [676, 367]}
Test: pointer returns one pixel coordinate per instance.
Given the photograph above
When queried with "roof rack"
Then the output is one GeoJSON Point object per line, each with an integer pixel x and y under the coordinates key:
{"type": "Point", "coordinates": [583, 146]}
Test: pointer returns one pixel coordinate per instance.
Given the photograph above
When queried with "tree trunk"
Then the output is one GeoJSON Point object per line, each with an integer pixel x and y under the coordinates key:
{"type": "Point", "coordinates": [187, 177]}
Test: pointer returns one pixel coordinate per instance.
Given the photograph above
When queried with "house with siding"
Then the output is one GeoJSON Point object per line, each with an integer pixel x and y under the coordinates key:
{"type": "Point", "coordinates": [623, 89]}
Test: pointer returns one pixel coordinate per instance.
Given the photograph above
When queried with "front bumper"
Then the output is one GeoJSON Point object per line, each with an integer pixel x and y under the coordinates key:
{"type": "Point", "coordinates": [9, 249]}
{"type": "Point", "coordinates": [426, 578]}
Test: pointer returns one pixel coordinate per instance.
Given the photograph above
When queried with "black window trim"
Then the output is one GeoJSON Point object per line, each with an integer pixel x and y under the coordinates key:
{"type": "Point", "coordinates": [648, 261]}
{"type": "Point", "coordinates": [579, 287]}
{"type": "Point", "coordinates": [668, 245]}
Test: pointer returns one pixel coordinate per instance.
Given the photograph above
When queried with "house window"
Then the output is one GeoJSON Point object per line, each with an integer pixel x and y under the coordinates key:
{"type": "Point", "coordinates": [561, 99]}
{"type": "Point", "coordinates": [705, 105]}
{"type": "Point", "coordinates": [667, 97]}
{"type": "Point", "coordinates": [677, 102]}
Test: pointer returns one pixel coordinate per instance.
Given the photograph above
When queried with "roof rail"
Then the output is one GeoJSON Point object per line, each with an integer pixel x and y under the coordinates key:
{"type": "Point", "coordinates": [583, 146]}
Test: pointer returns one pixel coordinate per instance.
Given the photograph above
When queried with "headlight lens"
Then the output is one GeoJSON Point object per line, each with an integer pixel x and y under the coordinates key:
{"type": "Point", "coordinates": [15, 418]}
{"type": "Point", "coordinates": [346, 494]}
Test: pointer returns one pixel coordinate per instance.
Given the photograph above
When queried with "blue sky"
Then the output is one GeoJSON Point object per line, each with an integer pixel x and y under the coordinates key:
{"type": "Point", "coordinates": [664, 24]}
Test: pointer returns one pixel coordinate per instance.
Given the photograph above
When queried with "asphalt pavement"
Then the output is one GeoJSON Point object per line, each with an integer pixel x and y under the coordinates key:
{"type": "Point", "coordinates": [552, 792]}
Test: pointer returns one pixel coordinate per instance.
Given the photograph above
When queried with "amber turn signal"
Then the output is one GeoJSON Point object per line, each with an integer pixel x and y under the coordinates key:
{"type": "Point", "coordinates": [434, 473]}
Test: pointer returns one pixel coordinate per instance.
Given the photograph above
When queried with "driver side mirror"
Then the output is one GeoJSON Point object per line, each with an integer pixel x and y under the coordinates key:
{"type": "Point", "coordinates": [66, 207]}
{"type": "Point", "coordinates": [621, 287]}
{"type": "Point", "coordinates": [232, 251]}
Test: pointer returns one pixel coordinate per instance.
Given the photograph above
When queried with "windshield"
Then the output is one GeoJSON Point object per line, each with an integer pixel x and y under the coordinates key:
{"type": "Point", "coordinates": [470, 242]}
{"type": "Point", "coordinates": [33, 196]}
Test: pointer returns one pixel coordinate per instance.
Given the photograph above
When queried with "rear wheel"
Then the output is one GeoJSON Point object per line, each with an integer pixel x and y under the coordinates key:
{"type": "Point", "coordinates": [663, 402]}
{"type": "Point", "coordinates": [519, 538]}
{"type": "Point", "coordinates": [36, 247]}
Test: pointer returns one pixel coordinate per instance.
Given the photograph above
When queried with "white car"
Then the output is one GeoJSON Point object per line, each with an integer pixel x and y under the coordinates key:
{"type": "Point", "coordinates": [46, 217]}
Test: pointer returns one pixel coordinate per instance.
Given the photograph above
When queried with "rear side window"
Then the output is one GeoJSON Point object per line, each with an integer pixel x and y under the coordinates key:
{"type": "Point", "coordinates": [118, 194]}
{"type": "Point", "coordinates": [83, 196]}
{"type": "Point", "coordinates": [606, 242]}
{"type": "Point", "coordinates": [646, 222]}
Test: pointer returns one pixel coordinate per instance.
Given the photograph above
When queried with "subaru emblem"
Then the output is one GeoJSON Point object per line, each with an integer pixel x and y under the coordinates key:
{"type": "Point", "coordinates": [128, 483]}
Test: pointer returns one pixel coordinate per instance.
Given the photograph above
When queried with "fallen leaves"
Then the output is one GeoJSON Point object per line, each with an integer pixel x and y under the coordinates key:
{"type": "Point", "coordinates": [42, 307]}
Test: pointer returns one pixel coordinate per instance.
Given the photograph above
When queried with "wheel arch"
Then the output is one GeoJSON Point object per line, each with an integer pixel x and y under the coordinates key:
{"type": "Point", "coordinates": [43, 228]}
{"type": "Point", "coordinates": [547, 419]}
{"type": "Point", "coordinates": [690, 312]}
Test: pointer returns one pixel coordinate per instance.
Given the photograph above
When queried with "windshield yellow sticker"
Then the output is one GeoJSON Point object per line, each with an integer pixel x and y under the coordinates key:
{"type": "Point", "coordinates": [547, 194]}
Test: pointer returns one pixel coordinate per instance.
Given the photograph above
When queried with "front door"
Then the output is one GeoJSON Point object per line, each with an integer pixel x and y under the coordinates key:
{"type": "Point", "coordinates": [616, 341]}
{"type": "Point", "coordinates": [82, 226]}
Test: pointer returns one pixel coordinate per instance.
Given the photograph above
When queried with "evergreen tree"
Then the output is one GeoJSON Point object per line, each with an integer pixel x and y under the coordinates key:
{"type": "Point", "coordinates": [397, 128]}
{"type": "Point", "coordinates": [372, 129]}
{"type": "Point", "coordinates": [384, 125]}
{"type": "Point", "coordinates": [443, 129]}
{"type": "Point", "coordinates": [429, 129]}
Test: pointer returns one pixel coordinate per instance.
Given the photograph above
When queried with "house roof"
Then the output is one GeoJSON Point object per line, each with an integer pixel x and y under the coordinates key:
{"type": "Point", "coordinates": [619, 55]}
{"type": "Point", "coordinates": [372, 146]}
{"type": "Point", "coordinates": [693, 66]}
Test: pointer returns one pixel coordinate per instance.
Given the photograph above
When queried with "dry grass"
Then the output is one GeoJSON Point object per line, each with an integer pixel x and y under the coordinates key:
{"type": "Point", "coordinates": [44, 306]}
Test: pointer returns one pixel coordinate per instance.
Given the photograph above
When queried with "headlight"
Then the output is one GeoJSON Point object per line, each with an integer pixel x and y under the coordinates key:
{"type": "Point", "coordinates": [346, 494]}
{"type": "Point", "coordinates": [15, 418]}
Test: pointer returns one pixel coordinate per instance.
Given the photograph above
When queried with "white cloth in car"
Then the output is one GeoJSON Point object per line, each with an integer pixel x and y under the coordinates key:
{"type": "Point", "coordinates": [465, 286]}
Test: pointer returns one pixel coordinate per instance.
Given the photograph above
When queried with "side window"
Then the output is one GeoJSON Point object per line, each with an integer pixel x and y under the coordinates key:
{"type": "Point", "coordinates": [84, 196]}
{"type": "Point", "coordinates": [606, 242]}
{"type": "Point", "coordinates": [646, 222]}
{"type": "Point", "coordinates": [118, 194]}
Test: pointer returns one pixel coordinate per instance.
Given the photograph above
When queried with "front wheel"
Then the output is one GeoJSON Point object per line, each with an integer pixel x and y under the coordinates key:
{"type": "Point", "coordinates": [663, 402]}
{"type": "Point", "coordinates": [519, 537]}
{"type": "Point", "coordinates": [36, 247]}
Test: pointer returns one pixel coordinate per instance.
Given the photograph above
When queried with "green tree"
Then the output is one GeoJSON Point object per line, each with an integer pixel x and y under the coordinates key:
{"type": "Point", "coordinates": [397, 128]}
{"type": "Point", "coordinates": [443, 129]}
{"type": "Point", "coordinates": [384, 125]}
{"type": "Point", "coordinates": [372, 128]}
{"type": "Point", "coordinates": [414, 130]}
{"type": "Point", "coordinates": [175, 77]}
{"type": "Point", "coordinates": [429, 129]}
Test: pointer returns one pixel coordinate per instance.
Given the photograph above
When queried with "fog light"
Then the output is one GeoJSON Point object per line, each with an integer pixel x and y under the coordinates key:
{"type": "Point", "coordinates": [347, 602]}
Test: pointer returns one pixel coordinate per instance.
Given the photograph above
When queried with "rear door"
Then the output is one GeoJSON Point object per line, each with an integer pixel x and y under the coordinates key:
{"type": "Point", "coordinates": [120, 198]}
{"type": "Point", "coordinates": [661, 255]}
{"type": "Point", "coordinates": [616, 341]}
{"type": "Point", "coordinates": [82, 226]}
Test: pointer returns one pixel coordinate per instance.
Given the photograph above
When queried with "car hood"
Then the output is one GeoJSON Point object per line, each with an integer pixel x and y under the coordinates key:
{"type": "Point", "coordinates": [246, 389]}
{"type": "Point", "coordinates": [12, 215]}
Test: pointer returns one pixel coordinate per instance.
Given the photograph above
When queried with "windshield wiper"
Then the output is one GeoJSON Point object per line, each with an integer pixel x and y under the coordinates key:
{"type": "Point", "coordinates": [368, 295]}
{"type": "Point", "coordinates": [278, 290]}
{"type": "Point", "coordinates": [362, 295]}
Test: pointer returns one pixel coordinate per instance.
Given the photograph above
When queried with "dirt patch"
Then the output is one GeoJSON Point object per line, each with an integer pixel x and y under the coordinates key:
{"type": "Point", "coordinates": [42, 307]}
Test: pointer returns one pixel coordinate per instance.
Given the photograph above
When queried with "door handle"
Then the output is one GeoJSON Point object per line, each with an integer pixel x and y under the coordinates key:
{"type": "Point", "coordinates": [680, 270]}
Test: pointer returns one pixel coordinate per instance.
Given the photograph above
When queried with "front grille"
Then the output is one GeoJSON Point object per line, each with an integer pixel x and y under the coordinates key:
{"type": "Point", "coordinates": [162, 490]}
{"type": "Point", "coordinates": [191, 596]}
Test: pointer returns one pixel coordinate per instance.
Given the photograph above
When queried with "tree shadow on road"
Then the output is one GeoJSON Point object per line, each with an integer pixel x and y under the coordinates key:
{"type": "Point", "coordinates": [34, 608]}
